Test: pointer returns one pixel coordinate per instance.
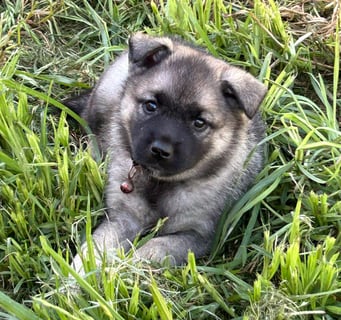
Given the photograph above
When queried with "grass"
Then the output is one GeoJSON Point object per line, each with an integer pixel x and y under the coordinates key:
{"type": "Point", "coordinates": [276, 254]}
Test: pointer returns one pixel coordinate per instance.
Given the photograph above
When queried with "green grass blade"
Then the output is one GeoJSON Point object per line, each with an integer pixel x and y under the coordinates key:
{"type": "Point", "coordinates": [164, 311]}
{"type": "Point", "coordinates": [256, 194]}
{"type": "Point", "coordinates": [18, 310]}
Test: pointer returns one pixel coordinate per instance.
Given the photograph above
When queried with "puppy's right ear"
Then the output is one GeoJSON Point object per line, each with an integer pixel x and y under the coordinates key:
{"type": "Point", "coordinates": [146, 51]}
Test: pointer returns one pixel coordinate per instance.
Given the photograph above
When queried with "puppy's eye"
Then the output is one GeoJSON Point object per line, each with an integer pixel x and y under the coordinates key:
{"type": "Point", "coordinates": [149, 106]}
{"type": "Point", "coordinates": [200, 124]}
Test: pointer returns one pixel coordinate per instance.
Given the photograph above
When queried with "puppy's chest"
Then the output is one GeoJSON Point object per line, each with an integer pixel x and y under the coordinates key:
{"type": "Point", "coordinates": [156, 193]}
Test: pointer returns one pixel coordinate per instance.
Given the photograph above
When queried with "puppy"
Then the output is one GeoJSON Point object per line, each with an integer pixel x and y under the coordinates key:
{"type": "Point", "coordinates": [181, 129]}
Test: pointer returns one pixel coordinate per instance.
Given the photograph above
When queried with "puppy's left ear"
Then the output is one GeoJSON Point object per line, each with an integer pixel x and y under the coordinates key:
{"type": "Point", "coordinates": [147, 51]}
{"type": "Point", "coordinates": [242, 88]}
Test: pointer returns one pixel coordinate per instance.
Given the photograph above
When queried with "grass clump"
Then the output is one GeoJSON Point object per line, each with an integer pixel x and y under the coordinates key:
{"type": "Point", "coordinates": [45, 184]}
{"type": "Point", "coordinates": [276, 254]}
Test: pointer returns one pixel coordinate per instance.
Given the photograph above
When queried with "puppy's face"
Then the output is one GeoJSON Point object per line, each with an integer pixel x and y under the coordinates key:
{"type": "Point", "coordinates": [181, 117]}
{"type": "Point", "coordinates": [169, 131]}
{"type": "Point", "coordinates": [174, 113]}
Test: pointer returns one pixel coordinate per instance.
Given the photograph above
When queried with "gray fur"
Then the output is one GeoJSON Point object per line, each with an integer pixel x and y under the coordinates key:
{"type": "Point", "coordinates": [189, 186]}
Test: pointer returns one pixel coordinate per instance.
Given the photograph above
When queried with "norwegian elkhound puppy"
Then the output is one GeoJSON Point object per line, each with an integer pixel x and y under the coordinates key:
{"type": "Point", "coordinates": [181, 130]}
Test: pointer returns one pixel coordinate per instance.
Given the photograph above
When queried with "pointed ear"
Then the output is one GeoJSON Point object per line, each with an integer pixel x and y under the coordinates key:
{"type": "Point", "coordinates": [146, 51]}
{"type": "Point", "coordinates": [243, 89]}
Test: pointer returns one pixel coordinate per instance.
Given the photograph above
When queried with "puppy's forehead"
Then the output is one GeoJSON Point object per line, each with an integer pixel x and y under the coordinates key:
{"type": "Point", "coordinates": [185, 77]}
{"type": "Point", "coordinates": [189, 64]}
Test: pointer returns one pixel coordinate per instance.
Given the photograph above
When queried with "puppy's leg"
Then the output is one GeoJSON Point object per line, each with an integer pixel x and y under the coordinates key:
{"type": "Point", "coordinates": [119, 227]}
{"type": "Point", "coordinates": [109, 236]}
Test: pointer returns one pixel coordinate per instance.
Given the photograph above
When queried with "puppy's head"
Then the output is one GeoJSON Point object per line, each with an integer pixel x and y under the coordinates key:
{"type": "Point", "coordinates": [184, 112]}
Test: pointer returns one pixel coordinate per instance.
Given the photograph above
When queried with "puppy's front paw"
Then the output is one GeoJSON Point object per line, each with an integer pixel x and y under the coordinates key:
{"type": "Point", "coordinates": [157, 250]}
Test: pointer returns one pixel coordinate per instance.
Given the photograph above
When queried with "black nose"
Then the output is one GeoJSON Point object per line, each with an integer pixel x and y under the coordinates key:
{"type": "Point", "coordinates": [161, 150]}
